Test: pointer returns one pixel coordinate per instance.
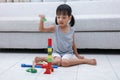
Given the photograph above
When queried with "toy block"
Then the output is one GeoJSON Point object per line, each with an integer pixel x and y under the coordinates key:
{"type": "Point", "coordinates": [36, 66]}
{"type": "Point", "coordinates": [49, 64]}
{"type": "Point", "coordinates": [49, 68]}
{"type": "Point", "coordinates": [31, 70]}
{"type": "Point", "coordinates": [48, 71]}
{"type": "Point", "coordinates": [49, 56]}
{"type": "Point", "coordinates": [49, 53]}
{"type": "Point", "coordinates": [44, 19]}
{"type": "Point", "coordinates": [49, 50]}
{"type": "Point", "coordinates": [28, 65]}
{"type": "Point", "coordinates": [52, 69]}
{"type": "Point", "coordinates": [49, 60]}
{"type": "Point", "coordinates": [49, 42]}
{"type": "Point", "coordinates": [49, 46]}
{"type": "Point", "coordinates": [44, 65]}
{"type": "Point", "coordinates": [42, 62]}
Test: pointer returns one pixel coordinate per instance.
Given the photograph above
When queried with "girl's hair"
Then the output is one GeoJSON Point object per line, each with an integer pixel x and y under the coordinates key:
{"type": "Point", "coordinates": [65, 9]}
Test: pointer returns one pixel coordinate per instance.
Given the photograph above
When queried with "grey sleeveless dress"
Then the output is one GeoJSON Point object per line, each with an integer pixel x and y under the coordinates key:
{"type": "Point", "coordinates": [62, 42]}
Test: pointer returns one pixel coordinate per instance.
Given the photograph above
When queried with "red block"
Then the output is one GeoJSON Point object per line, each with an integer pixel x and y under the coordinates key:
{"type": "Point", "coordinates": [48, 68]}
{"type": "Point", "coordinates": [48, 71]}
{"type": "Point", "coordinates": [49, 42]}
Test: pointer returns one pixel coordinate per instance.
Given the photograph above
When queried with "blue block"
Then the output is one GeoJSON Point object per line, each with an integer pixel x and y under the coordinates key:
{"type": "Point", "coordinates": [36, 66]}
{"type": "Point", "coordinates": [28, 65]}
{"type": "Point", "coordinates": [49, 46]}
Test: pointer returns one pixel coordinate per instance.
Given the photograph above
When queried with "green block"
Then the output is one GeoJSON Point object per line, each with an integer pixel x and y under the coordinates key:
{"type": "Point", "coordinates": [44, 19]}
{"type": "Point", "coordinates": [32, 70]}
{"type": "Point", "coordinates": [49, 60]}
{"type": "Point", "coordinates": [40, 62]}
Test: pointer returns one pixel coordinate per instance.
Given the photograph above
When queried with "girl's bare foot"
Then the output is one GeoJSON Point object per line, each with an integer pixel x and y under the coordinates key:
{"type": "Point", "coordinates": [92, 62]}
{"type": "Point", "coordinates": [80, 57]}
{"type": "Point", "coordinates": [38, 59]}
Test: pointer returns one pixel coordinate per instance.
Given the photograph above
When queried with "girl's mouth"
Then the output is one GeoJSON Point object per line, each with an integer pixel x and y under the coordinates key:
{"type": "Point", "coordinates": [61, 22]}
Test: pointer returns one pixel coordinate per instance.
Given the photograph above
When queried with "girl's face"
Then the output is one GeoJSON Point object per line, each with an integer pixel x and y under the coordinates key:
{"type": "Point", "coordinates": [62, 20]}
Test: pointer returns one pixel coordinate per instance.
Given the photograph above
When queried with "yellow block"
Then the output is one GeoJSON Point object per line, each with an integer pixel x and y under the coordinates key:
{"type": "Point", "coordinates": [49, 56]}
{"type": "Point", "coordinates": [49, 49]}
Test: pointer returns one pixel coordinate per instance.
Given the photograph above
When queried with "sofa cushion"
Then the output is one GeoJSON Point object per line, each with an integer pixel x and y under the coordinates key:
{"type": "Point", "coordinates": [89, 15]}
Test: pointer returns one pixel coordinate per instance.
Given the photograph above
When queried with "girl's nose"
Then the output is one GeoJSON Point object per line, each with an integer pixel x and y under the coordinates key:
{"type": "Point", "coordinates": [60, 19]}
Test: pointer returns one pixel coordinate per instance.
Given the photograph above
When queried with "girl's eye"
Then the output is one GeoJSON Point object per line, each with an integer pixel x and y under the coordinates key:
{"type": "Point", "coordinates": [58, 17]}
{"type": "Point", "coordinates": [64, 17]}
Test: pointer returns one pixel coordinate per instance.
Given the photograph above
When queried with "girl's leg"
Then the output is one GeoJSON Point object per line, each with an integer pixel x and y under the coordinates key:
{"type": "Point", "coordinates": [56, 59]}
{"type": "Point", "coordinates": [74, 61]}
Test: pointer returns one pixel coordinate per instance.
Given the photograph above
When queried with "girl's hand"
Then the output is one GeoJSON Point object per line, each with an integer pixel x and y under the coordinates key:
{"type": "Point", "coordinates": [80, 57]}
{"type": "Point", "coordinates": [42, 16]}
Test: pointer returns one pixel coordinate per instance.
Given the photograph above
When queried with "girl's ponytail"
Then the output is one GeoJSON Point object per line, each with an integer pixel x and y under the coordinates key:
{"type": "Point", "coordinates": [72, 22]}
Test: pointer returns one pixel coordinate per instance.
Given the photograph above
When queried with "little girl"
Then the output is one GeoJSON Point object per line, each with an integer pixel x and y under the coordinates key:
{"type": "Point", "coordinates": [63, 43]}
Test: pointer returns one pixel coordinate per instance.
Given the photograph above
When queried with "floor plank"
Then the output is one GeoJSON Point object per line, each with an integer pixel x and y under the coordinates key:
{"type": "Point", "coordinates": [102, 71]}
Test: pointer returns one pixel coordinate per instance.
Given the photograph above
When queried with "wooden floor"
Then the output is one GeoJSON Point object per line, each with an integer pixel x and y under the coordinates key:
{"type": "Point", "coordinates": [108, 68]}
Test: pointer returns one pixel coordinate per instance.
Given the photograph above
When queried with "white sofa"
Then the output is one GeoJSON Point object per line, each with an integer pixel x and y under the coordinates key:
{"type": "Point", "coordinates": [97, 24]}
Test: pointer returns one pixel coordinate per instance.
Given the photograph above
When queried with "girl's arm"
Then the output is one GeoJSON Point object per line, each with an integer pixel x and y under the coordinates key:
{"type": "Point", "coordinates": [75, 49]}
{"type": "Point", "coordinates": [45, 29]}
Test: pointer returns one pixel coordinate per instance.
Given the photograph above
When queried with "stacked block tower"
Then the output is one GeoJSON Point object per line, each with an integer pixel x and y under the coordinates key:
{"type": "Point", "coordinates": [49, 68]}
